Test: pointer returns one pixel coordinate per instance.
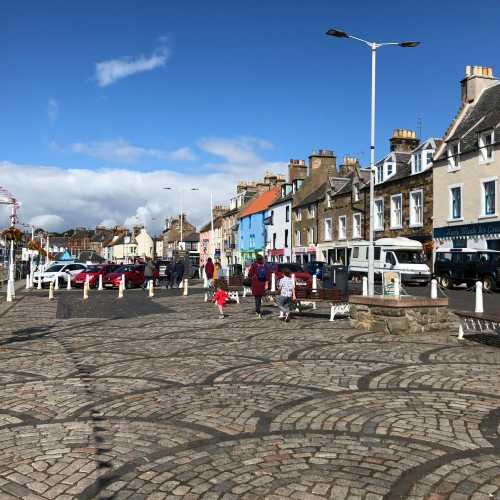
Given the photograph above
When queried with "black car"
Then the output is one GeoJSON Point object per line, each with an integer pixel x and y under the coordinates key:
{"type": "Point", "coordinates": [464, 265]}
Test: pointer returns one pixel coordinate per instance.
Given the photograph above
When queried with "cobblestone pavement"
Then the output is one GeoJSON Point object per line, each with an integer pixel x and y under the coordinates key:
{"type": "Point", "coordinates": [158, 398]}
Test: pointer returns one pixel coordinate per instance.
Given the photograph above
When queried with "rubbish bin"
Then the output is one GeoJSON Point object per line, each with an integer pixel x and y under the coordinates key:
{"type": "Point", "coordinates": [336, 276]}
{"type": "Point", "coordinates": [341, 278]}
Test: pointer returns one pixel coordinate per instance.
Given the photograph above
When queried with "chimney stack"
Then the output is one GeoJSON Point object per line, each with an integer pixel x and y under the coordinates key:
{"type": "Point", "coordinates": [349, 164]}
{"type": "Point", "coordinates": [403, 140]}
{"type": "Point", "coordinates": [323, 159]}
{"type": "Point", "coordinates": [219, 210]}
{"type": "Point", "coordinates": [297, 169]}
{"type": "Point", "coordinates": [477, 78]}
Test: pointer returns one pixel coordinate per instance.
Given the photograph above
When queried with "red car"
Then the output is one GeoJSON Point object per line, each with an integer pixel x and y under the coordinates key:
{"type": "Point", "coordinates": [93, 272]}
{"type": "Point", "coordinates": [134, 276]}
{"type": "Point", "coordinates": [302, 278]}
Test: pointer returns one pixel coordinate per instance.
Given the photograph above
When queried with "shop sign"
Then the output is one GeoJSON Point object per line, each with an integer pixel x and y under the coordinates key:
{"type": "Point", "coordinates": [464, 230]}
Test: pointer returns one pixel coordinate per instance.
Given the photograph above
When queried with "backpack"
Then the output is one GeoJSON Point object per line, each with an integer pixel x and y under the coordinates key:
{"type": "Point", "coordinates": [261, 273]}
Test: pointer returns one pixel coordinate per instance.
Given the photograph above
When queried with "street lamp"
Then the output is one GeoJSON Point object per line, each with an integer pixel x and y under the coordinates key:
{"type": "Point", "coordinates": [373, 47]}
{"type": "Point", "coordinates": [181, 204]}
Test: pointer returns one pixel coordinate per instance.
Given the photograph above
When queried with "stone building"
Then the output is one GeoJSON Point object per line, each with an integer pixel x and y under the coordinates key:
{"type": "Point", "coordinates": [307, 195]}
{"type": "Point", "coordinates": [342, 216]}
{"type": "Point", "coordinates": [467, 168]}
{"type": "Point", "coordinates": [172, 234]}
{"type": "Point", "coordinates": [211, 244]}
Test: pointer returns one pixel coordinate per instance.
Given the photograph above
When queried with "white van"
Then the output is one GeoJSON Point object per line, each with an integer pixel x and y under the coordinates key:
{"type": "Point", "coordinates": [392, 254]}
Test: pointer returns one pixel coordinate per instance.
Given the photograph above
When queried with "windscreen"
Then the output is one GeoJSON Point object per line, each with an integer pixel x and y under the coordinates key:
{"type": "Point", "coordinates": [54, 269]}
{"type": "Point", "coordinates": [409, 257]}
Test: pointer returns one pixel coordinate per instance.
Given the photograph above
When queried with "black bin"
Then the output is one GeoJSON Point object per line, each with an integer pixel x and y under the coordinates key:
{"type": "Point", "coordinates": [336, 276]}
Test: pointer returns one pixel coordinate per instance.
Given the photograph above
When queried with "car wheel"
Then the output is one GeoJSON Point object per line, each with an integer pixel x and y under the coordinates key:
{"type": "Point", "coordinates": [488, 283]}
{"type": "Point", "coordinates": [446, 281]}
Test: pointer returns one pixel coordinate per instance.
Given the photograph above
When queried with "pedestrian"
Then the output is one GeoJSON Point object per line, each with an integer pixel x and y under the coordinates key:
{"type": "Point", "coordinates": [287, 295]}
{"type": "Point", "coordinates": [149, 270]}
{"type": "Point", "coordinates": [259, 280]}
{"type": "Point", "coordinates": [170, 271]}
{"type": "Point", "coordinates": [209, 272]}
{"type": "Point", "coordinates": [217, 272]}
{"type": "Point", "coordinates": [220, 299]}
{"type": "Point", "coordinates": [179, 272]}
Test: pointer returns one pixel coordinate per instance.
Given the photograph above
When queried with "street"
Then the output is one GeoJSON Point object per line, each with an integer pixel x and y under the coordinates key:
{"type": "Point", "coordinates": [157, 398]}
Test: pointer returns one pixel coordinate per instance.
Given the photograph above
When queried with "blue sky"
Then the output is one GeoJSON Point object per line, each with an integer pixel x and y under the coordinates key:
{"type": "Point", "coordinates": [196, 88]}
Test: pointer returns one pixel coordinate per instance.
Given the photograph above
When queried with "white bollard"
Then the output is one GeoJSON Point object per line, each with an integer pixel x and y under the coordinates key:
{"type": "Point", "coordinates": [123, 280]}
{"type": "Point", "coordinates": [460, 332]}
{"type": "Point", "coordinates": [9, 291]}
{"type": "Point", "coordinates": [206, 297]}
{"type": "Point", "coordinates": [51, 290]}
{"type": "Point", "coordinates": [120, 290]}
{"type": "Point", "coordinates": [186, 287]}
{"type": "Point", "coordinates": [273, 282]}
{"type": "Point", "coordinates": [56, 283]}
{"type": "Point", "coordinates": [293, 279]}
{"type": "Point", "coordinates": [151, 288]}
{"type": "Point", "coordinates": [85, 291]}
{"type": "Point", "coordinates": [315, 282]}
{"type": "Point", "coordinates": [434, 289]}
{"type": "Point", "coordinates": [205, 280]}
{"type": "Point", "coordinates": [365, 286]}
{"type": "Point", "coordinates": [479, 297]}
{"type": "Point", "coordinates": [100, 283]}
{"type": "Point", "coordinates": [87, 280]}
{"type": "Point", "coordinates": [68, 284]}
{"type": "Point", "coordinates": [39, 286]}
{"type": "Point", "coordinates": [28, 284]}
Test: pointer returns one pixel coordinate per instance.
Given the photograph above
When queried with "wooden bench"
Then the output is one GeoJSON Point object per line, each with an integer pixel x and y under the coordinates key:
{"type": "Point", "coordinates": [482, 323]}
{"type": "Point", "coordinates": [339, 303]}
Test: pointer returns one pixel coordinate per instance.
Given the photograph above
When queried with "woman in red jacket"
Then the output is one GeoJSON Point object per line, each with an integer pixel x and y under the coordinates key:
{"type": "Point", "coordinates": [259, 276]}
{"type": "Point", "coordinates": [209, 272]}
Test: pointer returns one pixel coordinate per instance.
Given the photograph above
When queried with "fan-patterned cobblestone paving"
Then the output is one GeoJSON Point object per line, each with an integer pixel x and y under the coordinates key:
{"type": "Point", "coordinates": [172, 402]}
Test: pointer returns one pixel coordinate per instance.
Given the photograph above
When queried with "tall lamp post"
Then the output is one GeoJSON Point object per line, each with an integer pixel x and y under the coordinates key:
{"type": "Point", "coordinates": [373, 47]}
{"type": "Point", "coordinates": [181, 204]}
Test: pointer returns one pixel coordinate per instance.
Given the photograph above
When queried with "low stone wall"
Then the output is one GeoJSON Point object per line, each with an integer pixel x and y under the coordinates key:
{"type": "Point", "coordinates": [400, 316]}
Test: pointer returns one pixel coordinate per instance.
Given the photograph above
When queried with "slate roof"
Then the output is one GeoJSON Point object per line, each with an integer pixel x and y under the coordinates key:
{"type": "Point", "coordinates": [208, 225]}
{"type": "Point", "coordinates": [192, 237]}
{"type": "Point", "coordinates": [316, 195]}
{"type": "Point", "coordinates": [479, 117]}
{"type": "Point", "coordinates": [261, 203]}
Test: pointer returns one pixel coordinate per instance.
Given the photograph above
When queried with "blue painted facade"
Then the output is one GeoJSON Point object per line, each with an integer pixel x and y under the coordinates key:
{"type": "Point", "coordinates": [252, 236]}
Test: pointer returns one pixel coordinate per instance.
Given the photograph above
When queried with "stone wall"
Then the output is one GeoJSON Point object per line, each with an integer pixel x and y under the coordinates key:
{"type": "Point", "coordinates": [409, 319]}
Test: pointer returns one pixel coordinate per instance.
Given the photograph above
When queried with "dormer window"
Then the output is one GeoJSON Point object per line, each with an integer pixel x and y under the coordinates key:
{"type": "Point", "coordinates": [389, 169]}
{"type": "Point", "coordinates": [355, 192]}
{"type": "Point", "coordinates": [486, 147]}
{"type": "Point", "coordinates": [417, 162]}
{"type": "Point", "coordinates": [311, 211]}
{"type": "Point", "coordinates": [428, 156]}
{"type": "Point", "coordinates": [328, 201]}
{"type": "Point", "coordinates": [454, 155]}
{"type": "Point", "coordinates": [380, 174]}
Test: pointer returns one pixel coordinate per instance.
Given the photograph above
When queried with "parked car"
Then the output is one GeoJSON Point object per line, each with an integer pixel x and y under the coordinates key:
{"type": "Point", "coordinates": [134, 276]}
{"type": "Point", "coordinates": [455, 266]}
{"type": "Point", "coordinates": [59, 272]}
{"type": "Point", "coordinates": [302, 278]}
{"type": "Point", "coordinates": [93, 272]}
{"type": "Point", "coordinates": [392, 254]}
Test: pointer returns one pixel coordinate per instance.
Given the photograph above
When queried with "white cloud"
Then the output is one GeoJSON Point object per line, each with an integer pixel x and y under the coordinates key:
{"type": "Point", "coordinates": [50, 222]}
{"type": "Point", "coordinates": [84, 197]}
{"type": "Point", "coordinates": [53, 110]}
{"type": "Point", "coordinates": [108, 72]}
{"type": "Point", "coordinates": [121, 151]}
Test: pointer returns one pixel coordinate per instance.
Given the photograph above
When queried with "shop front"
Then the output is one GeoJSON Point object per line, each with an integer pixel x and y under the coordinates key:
{"type": "Point", "coordinates": [480, 236]}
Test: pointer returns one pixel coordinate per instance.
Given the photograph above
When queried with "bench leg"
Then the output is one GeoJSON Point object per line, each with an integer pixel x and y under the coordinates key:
{"type": "Point", "coordinates": [332, 313]}
{"type": "Point", "coordinates": [314, 306]}
{"type": "Point", "coordinates": [237, 297]}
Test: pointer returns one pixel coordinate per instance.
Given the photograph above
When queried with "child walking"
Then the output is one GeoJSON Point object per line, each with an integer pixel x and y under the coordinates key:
{"type": "Point", "coordinates": [287, 294]}
{"type": "Point", "coordinates": [220, 299]}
